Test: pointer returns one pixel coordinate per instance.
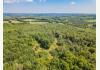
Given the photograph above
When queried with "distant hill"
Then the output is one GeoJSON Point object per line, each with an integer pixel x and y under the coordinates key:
{"type": "Point", "coordinates": [46, 14]}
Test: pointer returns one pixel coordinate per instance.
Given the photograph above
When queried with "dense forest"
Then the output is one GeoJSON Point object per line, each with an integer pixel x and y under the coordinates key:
{"type": "Point", "coordinates": [49, 42]}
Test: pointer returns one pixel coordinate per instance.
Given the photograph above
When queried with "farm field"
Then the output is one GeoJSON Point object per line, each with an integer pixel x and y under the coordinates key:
{"type": "Point", "coordinates": [49, 42]}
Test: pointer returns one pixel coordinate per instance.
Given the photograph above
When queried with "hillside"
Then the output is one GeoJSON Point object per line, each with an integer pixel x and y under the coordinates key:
{"type": "Point", "coordinates": [50, 43]}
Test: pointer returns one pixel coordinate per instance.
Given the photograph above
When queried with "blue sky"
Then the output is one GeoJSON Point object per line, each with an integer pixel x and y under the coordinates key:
{"type": "Point", "coordinates": [49, 6]}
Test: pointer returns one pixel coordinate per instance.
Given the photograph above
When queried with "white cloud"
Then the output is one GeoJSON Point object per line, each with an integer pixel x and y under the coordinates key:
{"type": "Point", "coordinates": [29, 0]}
{"type": "Point", "coordinates": [72, 3]}
{"type": "Point", "coordinates": [18, 1]}
{"type": "Point", "coordinates": [40, 0]}
{"type": "Point", "coordinates": [9, 1]}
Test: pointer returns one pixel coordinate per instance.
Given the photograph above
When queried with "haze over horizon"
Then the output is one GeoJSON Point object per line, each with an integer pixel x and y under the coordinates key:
{"type": "Point", "coordinates": [50, 6]}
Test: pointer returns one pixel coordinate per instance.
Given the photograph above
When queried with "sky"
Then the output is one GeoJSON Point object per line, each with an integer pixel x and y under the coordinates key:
{"type": "Point", "coordinates": [49, 6]}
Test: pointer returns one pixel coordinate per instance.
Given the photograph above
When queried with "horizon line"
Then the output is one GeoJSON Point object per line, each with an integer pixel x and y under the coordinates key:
{"type": "Point", "coordinates": [45, 13]}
